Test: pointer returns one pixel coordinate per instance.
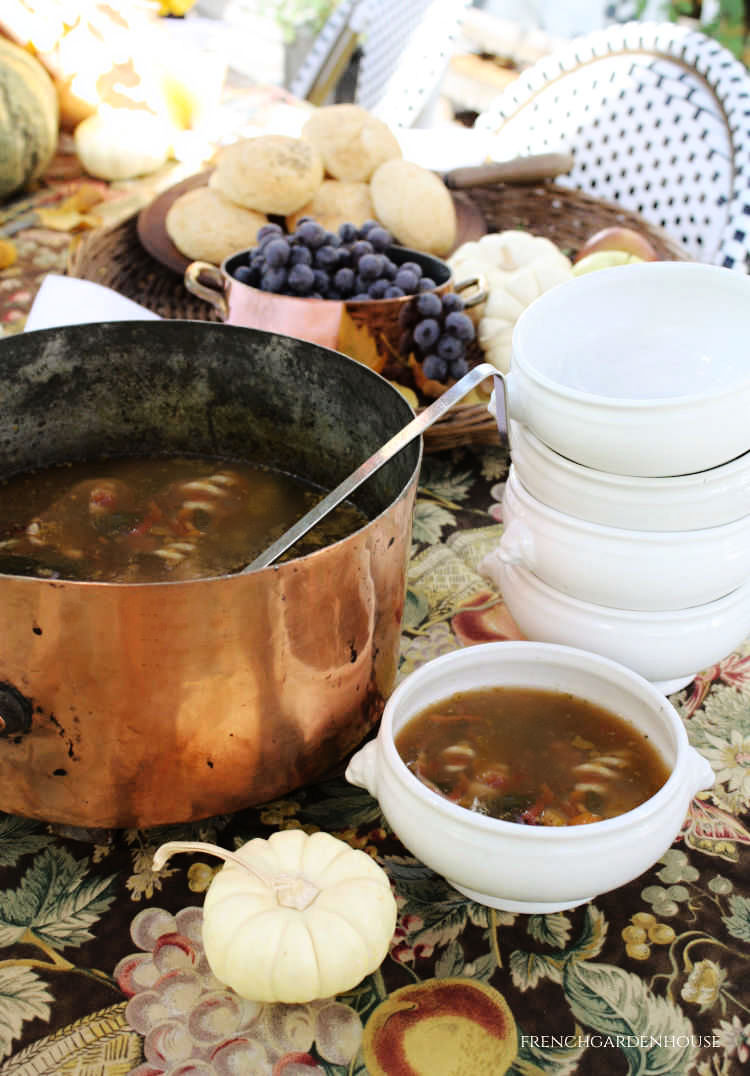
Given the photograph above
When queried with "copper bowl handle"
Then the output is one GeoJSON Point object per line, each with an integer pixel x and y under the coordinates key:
{"type": "Point", "coordinates": [214, 294]}
{"type": "Point", "coordinates": [480, 295]}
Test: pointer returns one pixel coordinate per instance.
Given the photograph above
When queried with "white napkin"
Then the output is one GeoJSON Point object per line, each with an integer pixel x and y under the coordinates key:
{"type": "Point", "coordinates": [65, 300]}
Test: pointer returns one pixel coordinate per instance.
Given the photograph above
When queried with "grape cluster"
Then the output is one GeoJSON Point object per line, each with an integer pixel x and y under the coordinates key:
{"type": "Point", "coordinates": [438, 332]}
{"type": "Point", "coordinates": [312, 263]}
{"type": "Point", "coordinates": [193, 1025]}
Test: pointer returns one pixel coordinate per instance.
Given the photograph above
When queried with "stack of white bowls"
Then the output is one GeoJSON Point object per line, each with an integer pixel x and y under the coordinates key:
{"type": "Point", "coordinates": [627, 508]}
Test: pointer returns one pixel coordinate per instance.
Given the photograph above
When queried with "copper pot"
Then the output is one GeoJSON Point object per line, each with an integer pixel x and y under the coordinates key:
{"type": "Point", "coordinates": [367, 330]}
{"type": "Point", "coordinates": [128, 705]}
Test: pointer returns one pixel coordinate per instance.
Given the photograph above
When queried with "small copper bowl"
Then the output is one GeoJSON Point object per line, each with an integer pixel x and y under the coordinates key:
{"type": "Point", "coordinates": [368, 330]}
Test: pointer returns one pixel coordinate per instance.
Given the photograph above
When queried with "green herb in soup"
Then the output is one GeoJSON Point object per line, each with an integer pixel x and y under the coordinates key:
{"type": "Point", "coordinates": [149, 520]}
{"type": "Point", "coordinates": [537, 757]}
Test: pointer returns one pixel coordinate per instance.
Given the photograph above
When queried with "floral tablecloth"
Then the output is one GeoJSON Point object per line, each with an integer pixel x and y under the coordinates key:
{"type": "Point", "coordinates": [102, 969]}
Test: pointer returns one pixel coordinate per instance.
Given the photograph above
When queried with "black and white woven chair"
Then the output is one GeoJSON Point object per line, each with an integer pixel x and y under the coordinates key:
{"type": "Point", "coordinates": [406, 46]}
{"type": "Point", "coordinates": [657, 118]}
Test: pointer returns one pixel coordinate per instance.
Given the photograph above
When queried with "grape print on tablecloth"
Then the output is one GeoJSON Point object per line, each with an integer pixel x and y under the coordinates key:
{"type": "Point", "coordinates": [194, 1025]}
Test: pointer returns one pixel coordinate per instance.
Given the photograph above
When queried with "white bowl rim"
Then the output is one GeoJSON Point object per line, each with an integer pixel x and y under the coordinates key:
{"type": "Point", "coordinates": [737, 596]}
{"type": "Point", "coordinates": [654, 484]}
{"type": "Point", "coordinates": [595, 530]}
{"type": "Point", "coordinates": [620, 403]}
{"type": "Point", "coordinates": [517, 830]}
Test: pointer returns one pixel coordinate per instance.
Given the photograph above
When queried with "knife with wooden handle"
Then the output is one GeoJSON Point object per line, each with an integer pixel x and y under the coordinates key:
{"type": "Point", "coordinates": [531, 169]}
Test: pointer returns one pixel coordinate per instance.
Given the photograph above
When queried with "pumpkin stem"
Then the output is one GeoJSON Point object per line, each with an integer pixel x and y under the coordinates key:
{"type": "Point", "coordinates": [291, 891]}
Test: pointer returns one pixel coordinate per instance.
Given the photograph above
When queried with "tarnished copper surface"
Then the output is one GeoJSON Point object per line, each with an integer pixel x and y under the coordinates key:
{"type": "Point", "coordinates": [126, 704]}
{"type": "Point", "coordinates": [164, 702]}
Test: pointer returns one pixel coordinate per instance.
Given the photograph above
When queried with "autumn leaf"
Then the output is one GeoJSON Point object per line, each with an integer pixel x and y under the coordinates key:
{"type": "Point", "coordinates": [56, 900]}
{"type": "Point", "coordinates": [8, 253]}
{"type": "Point", "coordinates": [60, 219]}
{"type": "Point", "coordinates": [19, 837]}
{"type": "Point", "coordinates": [23, 996]}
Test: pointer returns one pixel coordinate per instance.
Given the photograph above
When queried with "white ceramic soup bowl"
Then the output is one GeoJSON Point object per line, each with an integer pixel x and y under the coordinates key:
{"type": "Point", "coordinates": [516, 867]}
{"type": "Point", "coordinates": [678, 503]}
{"type": "Point", "coordinates": [666, 648]}
{"type": "Point", "coordinates": [627, 569]}
{"type": "Point", "coordinates": [638, 369]}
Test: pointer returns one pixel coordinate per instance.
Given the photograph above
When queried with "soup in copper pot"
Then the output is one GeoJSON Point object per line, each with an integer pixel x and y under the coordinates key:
{"type": "Point", "coordinates": [532, 756]}
{"type": "Point", "coordinates": [149, 520]}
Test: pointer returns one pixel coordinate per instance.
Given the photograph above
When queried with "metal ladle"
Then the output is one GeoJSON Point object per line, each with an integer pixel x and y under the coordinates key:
{"type": "Point", "coordinates": [386, 452]}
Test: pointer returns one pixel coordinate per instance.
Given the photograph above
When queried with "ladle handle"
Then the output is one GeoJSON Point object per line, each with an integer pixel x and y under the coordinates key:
{"type": "Point", "coordinates": [386, 452]}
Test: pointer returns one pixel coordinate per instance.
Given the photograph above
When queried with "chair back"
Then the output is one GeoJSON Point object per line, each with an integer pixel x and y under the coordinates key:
{"type": "Point", "coordinates": [657, 117]}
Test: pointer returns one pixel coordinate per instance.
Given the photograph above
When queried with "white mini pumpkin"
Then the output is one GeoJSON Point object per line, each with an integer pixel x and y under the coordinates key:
{"type": "Point", "coordinates": [517, 267]}
{"type": "Point", "coordinates": [295, 917]}
{"type": "Point", "coordinates": [122, 143]}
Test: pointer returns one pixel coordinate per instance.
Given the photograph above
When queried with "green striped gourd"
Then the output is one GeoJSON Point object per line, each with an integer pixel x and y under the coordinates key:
{"type": "Point", "coordinates": [28, 118]}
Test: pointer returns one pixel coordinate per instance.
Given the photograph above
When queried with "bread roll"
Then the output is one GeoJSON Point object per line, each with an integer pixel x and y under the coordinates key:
{"type": "Point", "coordinates": [206, 226]}
{"type": "Point", "coordinates": [415, 206]}
{"type": "Point", "coordinates": [335, 202]}
{"type": "Point", "coordinates": [269, 173]}
{"type": "Point", "coordinates": [351, 142]}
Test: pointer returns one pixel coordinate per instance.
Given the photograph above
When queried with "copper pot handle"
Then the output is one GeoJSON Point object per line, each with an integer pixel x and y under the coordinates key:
{"type": "Point", "coordinates": [480, 295]}
{"type": "Point", "coordinates": [214, 294]}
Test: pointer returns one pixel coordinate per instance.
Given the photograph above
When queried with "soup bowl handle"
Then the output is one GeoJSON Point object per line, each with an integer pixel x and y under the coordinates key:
{"type": "Point", "coordinates": [517, 545]}
{"type": "Point", "coordinates": [362, 768]}
{"type": "Point", "coordinates": [701, 775]}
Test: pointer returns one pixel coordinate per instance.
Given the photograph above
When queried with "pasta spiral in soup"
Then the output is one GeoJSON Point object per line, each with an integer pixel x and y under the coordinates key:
{"type": "Point", "coordinates": [531, 756]}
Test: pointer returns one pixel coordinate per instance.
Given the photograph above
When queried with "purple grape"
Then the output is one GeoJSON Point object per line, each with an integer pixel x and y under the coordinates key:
{"type": "Point", "coordinates": [460, 325]}
{"type": "Point", "coordinates": [322, 280]}
{"type": "Point", "coordinates": [348, 232]}
{"type": "Point", "coordinates": [277, 253]}
{"type": "Point", "coordinates": [378, 289]}
{"type": "Point", "coordinates": [370, 266]}
{"type": "Point", "coordinates": [458, 368]}
{"type": "Point", "coordinates": [311, 234]}
{"type": "Point", "coordinates": [450, 348]}
{"type": "Point", "coordinates": [367, 227]}
{"type": "Point", "coordinates": [273, 280]}
{"type": "Point", "coordinates": [244, 274]}
{"type": "Point", "coordinates": [451, 301]}
{"type": "Point", "coordinates": [393, 292]}
{"type": "Point", "coordinates": [380, 239]}
{"type": "Point", "coordinates": [299, 255]}
{"type": "Point", "coordinates": [301, 279]}
{"type": "Point", "coordinates": [390, 269]}
{"type": "Point", "coordinates": [407, 280]}
{"type": "Point", "coordinates": [426, 283]}
{"type": "Point", "coordinates": [412, 267]}
{"type": "Point", "coordinates": [425, 333]}
{"type": "Point", "coordinates": [344, 280]}
{"type": "Point", "coordinates": [326, 257]}
{"type": "Point", "coordinates": [429, 306]}
{"type": "Point", "coordinates": [435, 368]}
{"type": "Point", "coordinates": [359, 249]}
{"type": "Point", "coordinates": [360, 297]}
{"type": "Point", "coordinates": [269, 231]}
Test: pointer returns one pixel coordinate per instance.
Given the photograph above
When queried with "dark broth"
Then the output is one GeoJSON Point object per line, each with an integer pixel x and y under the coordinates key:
{"type": "Point", "coordinates": [148, 520]}
{"type": "Point", "coordinates": [531, 756]}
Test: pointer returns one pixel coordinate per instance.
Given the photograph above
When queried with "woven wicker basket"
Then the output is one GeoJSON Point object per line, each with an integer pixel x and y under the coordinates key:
{"type": "Point", "coordinates": [114, 257]}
